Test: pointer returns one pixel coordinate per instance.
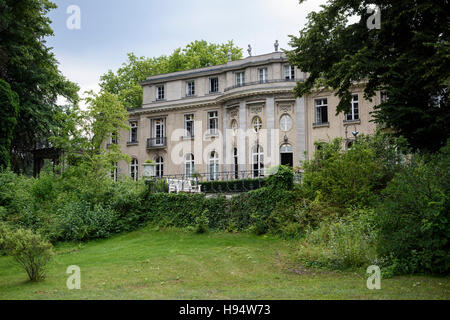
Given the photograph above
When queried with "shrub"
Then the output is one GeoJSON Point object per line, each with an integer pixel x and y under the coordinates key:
{"type": "Point", "coordinates": [241, 185]}
{"type": "Point", "coordinates": [347, 243]}
{"type": "Point", "coordinates": [202, 223]}
{"type": "Point", "coordinates": [353, 177]}
{"type": "Point", "coordinates": [414, 216]}
{"type": "Point", "coordinates": [80, 222]}
{"type": "Point", "coordinates": [28, 249]}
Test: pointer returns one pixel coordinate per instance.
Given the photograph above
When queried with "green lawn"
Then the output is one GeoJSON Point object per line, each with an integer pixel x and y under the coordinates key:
{"type": "Point", "coordinates": [150, 264]}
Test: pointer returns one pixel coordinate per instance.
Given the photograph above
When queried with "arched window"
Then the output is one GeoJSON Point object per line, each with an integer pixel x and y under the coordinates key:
{"type": "Point", "coordinates": [134, 169]}
{"type": "Point", "coordinates": [258, 161]}
{"type": "Point", "coordinates": [189, 165]}
{"type": "Point", "coordinates": [159, 166]}
{"type": "Point", "coordinates": [285, 122]}
{"type": "Point", "coordinates": [114, 171]}
{"type": "Point", "coordinates": [256, 123]}
{"type": "Point", "coordinates": [286, 148]}
{"type": "Point", "coordinates": [213, 166]}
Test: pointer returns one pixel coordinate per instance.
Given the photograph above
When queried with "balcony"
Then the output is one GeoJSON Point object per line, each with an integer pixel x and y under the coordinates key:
{"type": "Point", "coordinates": [156, 143]}
{"type": "Point", "coordinates": [245, 84]}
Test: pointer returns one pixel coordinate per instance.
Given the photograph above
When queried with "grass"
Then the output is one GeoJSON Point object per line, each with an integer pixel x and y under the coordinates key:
{"type": "Point", "coordinates": [171, 264]}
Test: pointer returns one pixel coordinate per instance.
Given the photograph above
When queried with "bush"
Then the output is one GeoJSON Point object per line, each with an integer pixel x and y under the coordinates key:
{"type": "Point", "coordinates": [354, 177]}
{"type": "Point", "coordinates": [347, 243]}
{"type": "Point", "coordinates": [241, 185]}
{"type": "Point", "coordinates": [202, 223]}
{"type": "Point", "coordinates": [414, 216]}
{"type": "Point", "coordinates": [80, 222]}
{"type": "Point", "coordinates": [28, 249]}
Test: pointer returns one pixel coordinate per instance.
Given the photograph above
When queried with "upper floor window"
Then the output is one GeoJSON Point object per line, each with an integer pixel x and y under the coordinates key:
{"type": "Point", "coordinates": [240, 78]}
{"type": "Point", "coordinates": [160, 93]}
{"type": "Point", "coordinates": [354, 111]}
{"type": "Point", "coordinates": [190, 88]}
{"type": "Point", "coordinates": [263, 75]}
{"type": "Point", "coordinates": [213, 84]}
{"type": "Point", "coordinates": [213, 122]}
{"type": "Point", "coordinates": [257, 123]}
{"type": "Point", "coordinates": [383, 96]}
{"type": "Point", "coordinates": [285, 122]}
{"type": "Point", "coordinates": [321, 106]}
{"type": "Point", "coordinates": [133, 131]}
{"type": "Point", "coordinates": [114, 139]}
{"type": "Point", "coordinates": [189, 125]}
{"type": "Point", "coordinates": [289, 72]}
{"type": "Point", "coordinates": [134, 169]}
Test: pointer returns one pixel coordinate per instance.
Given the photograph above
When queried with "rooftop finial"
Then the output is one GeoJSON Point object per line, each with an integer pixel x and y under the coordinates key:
{"type": "Point", "coordinates": [249, 50]}
{"type": "Point", "coordinates": [276, 45]}
{"type": "Point", "coordinates": [229, 55]}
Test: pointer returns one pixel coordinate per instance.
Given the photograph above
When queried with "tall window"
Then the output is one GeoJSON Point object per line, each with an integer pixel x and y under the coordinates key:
{"type": "Point", "coordinates": [114, 138]}
{"type": "Point", "coordinates": [213, 122]}
{"type": "Point", "coordinates": [235, 163]}
{"type": "Point", "coordinates": [321, 111]}
{"type": "Point", "coordinates": [240, 78]}
{"type": "Point", "coordinates": [257, 123]}
{"type": "Point", "coordinates": [262, 75]}
{"type": "Point", "coordinates": [160, 93]}
{"type": "Point", "coordinates": [158, 131]}
{"type": "Point", "coordinates": [258, 161]}
{"type": "Point", "coordinates": [189, 165]}
{"type": "Point", "coordinates": [159, 166]}
{"type": "Point", "coordinates": [190, 88]}
{"type": "Point", "coordinates": [354, 111]}
{"type": "Point", "coordinates": [383, 96]}
{"type": "Point", "coordinates": [189, 125]}
{"type": "Point", "coordinates": [114, 171]}
{"type": "Point", "coordinates": [213, 84]}
{"type": "Point", "coordinates": [213, 166]}
{"type": "Point", "coordinates": [289, 72]}
{"type": "Point", "coordinates": [133, 131]}
{"type": "Point", "coordinates": [134, 169]}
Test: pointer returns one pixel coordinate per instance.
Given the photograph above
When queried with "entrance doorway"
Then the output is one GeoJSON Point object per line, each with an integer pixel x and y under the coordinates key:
{"type": "Point", "coordinates": [286, 155]}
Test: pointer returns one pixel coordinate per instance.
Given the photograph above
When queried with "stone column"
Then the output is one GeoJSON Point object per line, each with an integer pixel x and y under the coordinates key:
{"type": "Point", "coordinates": [300, 125]}
{"type": "Point", "coordinates": [242, 154]}
{"type": "Point", "coordinates": [270, 120]}
{"type": "Point", "coordinates": [225, 151]}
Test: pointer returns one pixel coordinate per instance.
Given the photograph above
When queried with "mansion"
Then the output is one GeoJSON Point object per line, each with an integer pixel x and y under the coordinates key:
{"type": "Point", "coordinates": [241, 116]}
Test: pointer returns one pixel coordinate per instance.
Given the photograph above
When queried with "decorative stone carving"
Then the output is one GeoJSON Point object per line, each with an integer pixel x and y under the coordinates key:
{"type": "Point", "coordinates": [285, 108]}
{"type": "Point", "coordinates": [256, 110]}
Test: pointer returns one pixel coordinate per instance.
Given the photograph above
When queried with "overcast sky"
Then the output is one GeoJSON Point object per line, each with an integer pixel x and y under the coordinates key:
{"type": "Point", "coordinates": [112, 28]}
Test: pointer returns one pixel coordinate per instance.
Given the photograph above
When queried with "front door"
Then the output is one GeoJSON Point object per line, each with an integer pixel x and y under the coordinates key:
{"type": "Point", "coordinates": [287, 159]}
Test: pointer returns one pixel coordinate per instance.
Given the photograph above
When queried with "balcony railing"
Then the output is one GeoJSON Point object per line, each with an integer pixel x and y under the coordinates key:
{"type": "Point", "coordinates": [261, 82]}
{"type": "Point", "coordinates": [155, 143]}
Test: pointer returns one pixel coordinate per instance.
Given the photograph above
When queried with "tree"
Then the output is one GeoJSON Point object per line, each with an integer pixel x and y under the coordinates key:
{"type": "Point", "coordinates": [31, 70]}
{"type": "Point", "coordinates": [408, 57]}
{"type": "Point", "coordinates": [126, 81]}
{"type": "Point", "coordinates": [9, 102]}
{"type": "Point", "coordinates": [86, 132]}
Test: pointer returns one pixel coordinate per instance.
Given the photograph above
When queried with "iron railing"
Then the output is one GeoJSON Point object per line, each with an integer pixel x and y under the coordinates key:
{"type": "Point", "coordinates": [245, 84]}
{"type": "Point", "coordinates": [211, 182]}
{"type": "Point", "coordinates": [154, 143]}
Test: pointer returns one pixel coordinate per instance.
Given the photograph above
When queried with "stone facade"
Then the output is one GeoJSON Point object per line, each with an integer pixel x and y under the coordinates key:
{"type": "Point", "coordinates": [240, 116]}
